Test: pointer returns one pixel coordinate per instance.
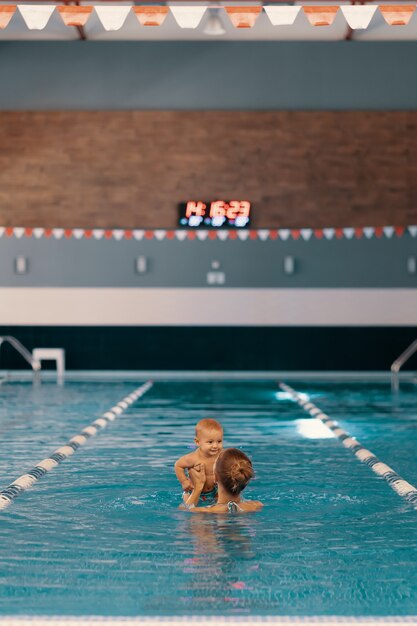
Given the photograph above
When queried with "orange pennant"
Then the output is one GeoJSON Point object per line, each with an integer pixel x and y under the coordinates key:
{"type": "Point", "coordinates": [397, 15]}
{"type": "Point", "coordinates": [243, 17]}
{"type": "Point", "coordinates": [6, 14]}
{"type": "Point", "coordinates": [321, 16]}
{"type": "Point", "coordinates": [151, 16]}
{"type": "Point", "coordinates": [75, 16]}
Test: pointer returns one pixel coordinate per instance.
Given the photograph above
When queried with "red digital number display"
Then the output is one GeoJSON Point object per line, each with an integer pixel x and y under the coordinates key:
{"type": "Point", "coordinates": [216, 214]}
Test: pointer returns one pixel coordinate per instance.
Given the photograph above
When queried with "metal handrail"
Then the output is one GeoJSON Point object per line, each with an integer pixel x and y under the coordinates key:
{"type": "Point", "coordinates": [15, 343]}
{"type": "Point", "coordinates": [399, 362]}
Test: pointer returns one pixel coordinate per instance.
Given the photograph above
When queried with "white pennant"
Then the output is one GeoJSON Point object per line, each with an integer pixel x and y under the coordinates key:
{"type": "Point", "coordinates": [112, 17]}
{"type": "Point", "coordinates": [263, 234]}
{"type": "Point", "coordinates": [38, 232]}
{"type": "Point", "coordinates": [348, 232]}
{"type": "Point", "coordinates": [358, 16]}
{"type": "Point", "coordinates": [78, 233]}
{"type": "Point", "coordinates": [58, 233]}
{"type": "Point", "coordinates": [2, 229]}
{"type": "Point", "coordinates": [118, 234]}
{"type": "Point", "coordinates": [36, 16]}
{"type": "Point", "coordinates": [282, 16]}
{"type": "Point", "coordinates": [138, 234]}
{"type": "Point", "coordinates": [413, 231]}
{"type": "Point", "coordinates": [388, 231]}
{"type": "Point", "coordinates": [222, 235]}
{"type": "Point", "coordinates": [202, 234]}
{"type": "Point", "coordinates": [181, 234]}
{"type": "Point", "coordinates": [284, 233]}
{"type": "Point", "coordinates": [368, 231]}
{"type": "Point", "coordinates": [243, 234]}
{"type": "Point", "coordinates": [328, 233]}
{"type": "Point", "coordinates": [160, 234]}
{"type": "Point", "coordinates": [98, 233]}
{"type": "Point", "coordinates": [306, 233]}
{"type": "Point", "coordinates": [18, 232]}
{"type": "Point", "coordinates": [188, 16]}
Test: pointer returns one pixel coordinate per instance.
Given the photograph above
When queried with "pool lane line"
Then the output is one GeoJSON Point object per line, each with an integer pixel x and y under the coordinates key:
{"type": "Point", "coordinates": [24, 482]}
{"type": "Point", "coordinates": [398, 484]}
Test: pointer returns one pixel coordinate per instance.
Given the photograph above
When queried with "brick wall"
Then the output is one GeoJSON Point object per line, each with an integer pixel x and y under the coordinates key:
{"type": "Point", "coordinates": [130, 169]}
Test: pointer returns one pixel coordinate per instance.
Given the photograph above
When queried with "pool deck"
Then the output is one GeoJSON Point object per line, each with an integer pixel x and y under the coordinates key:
{"type": "Point", "coordinates": [205, 621]}
{"type": "Point", "coordinates": [183, 375]}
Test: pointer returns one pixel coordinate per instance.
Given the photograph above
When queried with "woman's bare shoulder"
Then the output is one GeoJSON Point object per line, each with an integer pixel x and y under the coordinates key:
{"type": "Point", "coordinates": [251, 505]}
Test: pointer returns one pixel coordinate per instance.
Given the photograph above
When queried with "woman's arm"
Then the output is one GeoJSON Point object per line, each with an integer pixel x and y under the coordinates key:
{"type": "Point", "coordinates": [198, 476]}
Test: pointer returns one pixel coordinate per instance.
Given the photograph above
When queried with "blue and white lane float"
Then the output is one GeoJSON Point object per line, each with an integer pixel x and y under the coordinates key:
{"type": "Point", "coordinates": [24, 482]}
{"type": "Point", "coordinates": [398, 484]}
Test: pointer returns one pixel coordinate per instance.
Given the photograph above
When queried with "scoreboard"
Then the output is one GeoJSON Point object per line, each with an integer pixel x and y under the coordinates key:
{"type": "Point", "coordinates": [215, 214]}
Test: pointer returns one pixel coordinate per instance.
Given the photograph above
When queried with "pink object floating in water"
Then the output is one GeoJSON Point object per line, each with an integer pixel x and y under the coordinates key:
{"type": "Point", "coordinates": [192, 561]}
{"type": "Point", "coordinates": [238, 585]}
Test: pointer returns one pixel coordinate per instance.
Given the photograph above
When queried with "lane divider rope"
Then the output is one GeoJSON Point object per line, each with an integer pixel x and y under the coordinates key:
{"type": "Point", "coordinates": [24, 482]}
{"type": "Point", "coordinates": [394, 480]}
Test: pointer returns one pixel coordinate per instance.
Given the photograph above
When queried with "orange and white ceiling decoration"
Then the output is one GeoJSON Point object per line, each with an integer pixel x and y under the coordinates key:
{"type": "Point", "coordinates": [268, 21]}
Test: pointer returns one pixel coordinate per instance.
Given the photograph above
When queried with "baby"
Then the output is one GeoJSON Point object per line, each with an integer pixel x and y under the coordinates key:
{"type": "Point", "coordinates": [209, 439]}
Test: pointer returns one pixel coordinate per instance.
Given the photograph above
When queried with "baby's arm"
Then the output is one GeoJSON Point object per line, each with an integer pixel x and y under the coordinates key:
{"type": "Point", "coordinates": [185, 462]}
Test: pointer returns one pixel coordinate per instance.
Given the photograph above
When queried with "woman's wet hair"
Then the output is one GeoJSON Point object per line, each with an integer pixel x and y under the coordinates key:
{"type": "Point", "coordinates": [234, 470]}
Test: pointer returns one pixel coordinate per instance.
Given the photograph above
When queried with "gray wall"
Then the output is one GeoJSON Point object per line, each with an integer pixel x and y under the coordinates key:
{"type": "Point", "coordinates": [207, 75]}
{"type": "Point", "coordinates": [374, 263]}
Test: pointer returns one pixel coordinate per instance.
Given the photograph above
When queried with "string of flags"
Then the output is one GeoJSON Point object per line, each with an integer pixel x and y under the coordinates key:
{"type": "Point", "coordinates": [284, 234]}
{"type": "Point", "coordinates": [37, 16]}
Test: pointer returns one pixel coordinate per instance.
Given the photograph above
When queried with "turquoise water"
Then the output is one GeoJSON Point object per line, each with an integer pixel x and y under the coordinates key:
{"type": "Point", "coordinates": [102, 535]}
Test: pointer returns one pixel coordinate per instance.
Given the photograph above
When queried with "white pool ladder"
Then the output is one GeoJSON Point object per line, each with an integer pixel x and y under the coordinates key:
{"type": "Point", "coordinates": [15, 343]}
{"type": "Point", "coordinates": [399, 362]}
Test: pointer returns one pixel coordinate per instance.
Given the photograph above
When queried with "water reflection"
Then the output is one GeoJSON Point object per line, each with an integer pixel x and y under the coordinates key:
{"type": "Point", "coordinates": [223, 556]}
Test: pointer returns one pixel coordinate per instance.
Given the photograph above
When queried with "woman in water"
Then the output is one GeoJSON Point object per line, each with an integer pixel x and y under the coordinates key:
{"type": "Point", "coordinates": [232, 472]}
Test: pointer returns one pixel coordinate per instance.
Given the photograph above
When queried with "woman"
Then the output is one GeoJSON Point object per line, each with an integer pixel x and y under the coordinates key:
{"type": "Point", "coordinates": [232, 472]}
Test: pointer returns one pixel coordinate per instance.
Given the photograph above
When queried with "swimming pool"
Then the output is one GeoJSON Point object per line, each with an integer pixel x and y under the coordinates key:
{"type": "Point", "coordinates": [101, 535]}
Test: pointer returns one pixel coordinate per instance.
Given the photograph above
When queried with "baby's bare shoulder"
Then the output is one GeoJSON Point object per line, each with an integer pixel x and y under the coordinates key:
{"type": "Point", "coordinates": [188, 460]}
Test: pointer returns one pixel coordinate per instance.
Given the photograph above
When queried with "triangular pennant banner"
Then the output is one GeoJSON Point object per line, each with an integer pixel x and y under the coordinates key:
{"type": "Point", "coordinates": [18, 232]}
{"type": "Point", "coordinates": [368, 231]}
{"type": "Point", "coordinates": [36, 16]}
{"type": "Point", "coordinates": [75, 16]}
{"type": "Point", "coordinates": [188, 16]}
{"type": "Point", "coordinates": [58, 233]}
{"type": "Point", "coordinates": [181, 234]}
{"type": "Point", "coordinates": [263, 234]}
{"type": "Point", "coordinates": [284, 233]}
{"type": "Point", "coordinates": [349, 233]}
{"type": "Point", "coordinates": [397, 15]}
{"type": "Point", "coordinates": [151, 16]}
{"type": "Point", "coordinates": [321, 16]}
{"type": "Point", "coordinates": [113, 17]}
{"type": "Point", "coordinates": [243, 17]}
{"type": "Point", "coordinates": [282, 16]}
{"type": "Point", "coordinates": [358, 16]}
{"type": "Point", "coordinates": [6, 14]}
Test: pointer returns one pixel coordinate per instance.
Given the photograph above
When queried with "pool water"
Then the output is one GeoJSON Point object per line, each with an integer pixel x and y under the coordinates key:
{"type": "Point", "coordinates": [102, 534]}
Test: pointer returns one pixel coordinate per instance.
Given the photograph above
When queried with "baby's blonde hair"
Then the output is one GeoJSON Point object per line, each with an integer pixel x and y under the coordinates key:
{"type": "Point", "coordinates": [207, 424]}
